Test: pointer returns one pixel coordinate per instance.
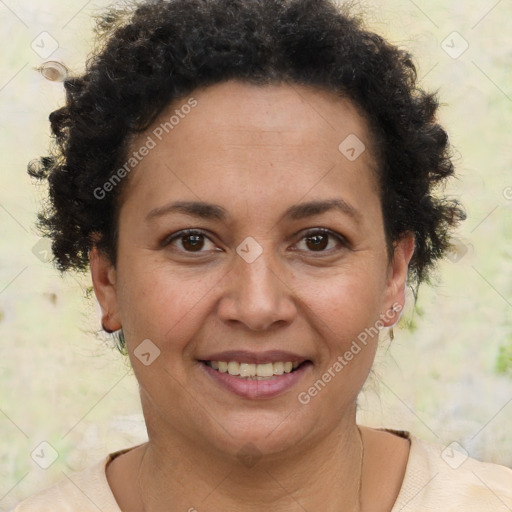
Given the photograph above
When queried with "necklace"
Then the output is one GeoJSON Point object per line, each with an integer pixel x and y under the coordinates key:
{"type": "Point", "coordinates": [359, 492]}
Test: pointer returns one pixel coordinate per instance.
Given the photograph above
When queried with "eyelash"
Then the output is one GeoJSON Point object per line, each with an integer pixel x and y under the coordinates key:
{"type": "Point", "coordinates": [342, 241]}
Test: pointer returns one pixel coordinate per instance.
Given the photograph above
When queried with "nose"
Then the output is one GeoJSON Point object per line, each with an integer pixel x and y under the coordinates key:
{"type": "Point", "coordinates": [258, 295]}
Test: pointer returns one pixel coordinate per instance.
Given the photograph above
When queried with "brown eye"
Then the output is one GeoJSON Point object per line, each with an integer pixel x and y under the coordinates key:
{"type": "Point", "coordinates": [189, 241]}
{"type": "Point", "coordinates": [192, 242]}
{"type": "Point", "coordinates": [317, 242]}
{"type": "Point", "coordinates": [322, 240]}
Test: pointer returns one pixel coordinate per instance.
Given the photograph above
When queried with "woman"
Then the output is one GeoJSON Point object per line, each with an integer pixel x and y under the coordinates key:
{"type": "Point", "coordinates": [252, 184]}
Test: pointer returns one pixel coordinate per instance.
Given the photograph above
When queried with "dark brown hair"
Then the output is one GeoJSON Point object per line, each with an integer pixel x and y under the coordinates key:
{"type": "Point", "coordinates": [158, 51]}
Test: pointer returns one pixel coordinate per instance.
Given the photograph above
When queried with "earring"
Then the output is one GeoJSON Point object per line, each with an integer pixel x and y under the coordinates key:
{"type": "Point", "coordinates": [396, 309]}
{"type": "Point", "coordinates": [120, 342]}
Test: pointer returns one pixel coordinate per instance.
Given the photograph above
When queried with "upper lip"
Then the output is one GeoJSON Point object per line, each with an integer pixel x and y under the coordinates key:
{"type": "Point", "coordinates": [244, 356]}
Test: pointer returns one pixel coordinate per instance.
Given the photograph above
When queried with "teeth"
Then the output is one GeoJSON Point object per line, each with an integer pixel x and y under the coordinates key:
{"type": "Point", "coordinates": [253, 370]}
{"type": "Point", "coordinates": [278, 368]}
{"type": "Point", "coordinates": [265, 370]}
{"type": "Point", "coordinates": [233, 368]}
{"type": "Point", "coordinates": [246, 369]}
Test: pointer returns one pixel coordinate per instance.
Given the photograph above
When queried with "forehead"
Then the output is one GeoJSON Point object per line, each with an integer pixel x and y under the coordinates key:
{"type": "Point", "coordinates": [286, 139]}
{"type": "Point", "coordinates": [270, 111]}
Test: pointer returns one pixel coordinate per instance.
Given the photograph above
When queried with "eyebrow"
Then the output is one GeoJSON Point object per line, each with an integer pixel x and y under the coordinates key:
{"type": "Point", "coordinates": [193, 208]}
{"type": "Point", "coordinates": [304, 210]}
{"type": "Point", "coordinates": [210, 211]}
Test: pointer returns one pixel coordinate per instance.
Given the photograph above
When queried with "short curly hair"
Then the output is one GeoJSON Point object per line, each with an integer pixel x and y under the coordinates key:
{"type": "Point", "coordinates": [155, 52]}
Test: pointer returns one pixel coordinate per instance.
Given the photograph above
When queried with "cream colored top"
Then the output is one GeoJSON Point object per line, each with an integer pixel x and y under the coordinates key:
{"type": "Point", "coordinates": [436, 479]}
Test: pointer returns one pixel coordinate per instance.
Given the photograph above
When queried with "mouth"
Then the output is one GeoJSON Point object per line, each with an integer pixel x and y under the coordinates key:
{"type": "Point", "coordinates": [263, 379]}
{"type": "Point", "coordinates": [255, 371]}
{"type": "Point", "coordinates": [255, 375]}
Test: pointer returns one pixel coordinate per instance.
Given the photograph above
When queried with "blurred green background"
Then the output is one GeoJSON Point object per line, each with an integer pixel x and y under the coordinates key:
{"type": "Point", "coordinates": [448, 378]}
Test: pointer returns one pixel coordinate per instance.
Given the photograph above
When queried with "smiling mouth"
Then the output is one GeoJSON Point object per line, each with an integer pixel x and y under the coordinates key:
{"type": "Point", "coordinates": [252, 371]}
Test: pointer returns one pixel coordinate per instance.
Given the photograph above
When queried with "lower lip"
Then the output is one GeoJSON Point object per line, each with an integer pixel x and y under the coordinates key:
{"type": "Point", "coordinates": [257, 389]}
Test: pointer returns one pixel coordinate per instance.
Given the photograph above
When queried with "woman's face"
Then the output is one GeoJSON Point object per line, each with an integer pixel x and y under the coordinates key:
{"type": "Point", "coordinates": [286, 263]}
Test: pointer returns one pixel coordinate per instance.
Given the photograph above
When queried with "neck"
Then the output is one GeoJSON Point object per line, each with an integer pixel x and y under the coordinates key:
{"type": "Point", "coordinates": [177, 473]}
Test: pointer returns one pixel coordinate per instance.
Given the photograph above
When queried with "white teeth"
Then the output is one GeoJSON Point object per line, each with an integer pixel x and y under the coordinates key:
{"type": "Point", "coordinates": [247, 369]}
{"type": "Point", "coordinates": [254, 370]}
{"type": "Point", "coordinates": [278, 368]}
{"type": "Point", "coordinates": [265, 370]}
{"type": "Point", "coordinates": [233, 368]}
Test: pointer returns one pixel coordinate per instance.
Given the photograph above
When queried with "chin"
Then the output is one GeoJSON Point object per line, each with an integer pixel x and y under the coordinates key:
{"type": "Point", "coordinates": [258, 433]}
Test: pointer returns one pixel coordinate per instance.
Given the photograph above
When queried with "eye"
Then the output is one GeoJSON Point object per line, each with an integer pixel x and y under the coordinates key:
{"type": "Point", "coordinates": [189, 241]}
{"type": "Point", "coordinates": [321, 240]}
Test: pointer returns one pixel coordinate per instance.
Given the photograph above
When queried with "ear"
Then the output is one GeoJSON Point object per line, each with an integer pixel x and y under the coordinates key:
{"type": "Point", "coordinates": [103, 276]}
{"type": "Point", "coordinates": [397, 279]}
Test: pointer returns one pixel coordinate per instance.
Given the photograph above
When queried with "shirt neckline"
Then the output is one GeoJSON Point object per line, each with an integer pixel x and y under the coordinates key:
{"type": "Point", "coordinates": [401, 500]}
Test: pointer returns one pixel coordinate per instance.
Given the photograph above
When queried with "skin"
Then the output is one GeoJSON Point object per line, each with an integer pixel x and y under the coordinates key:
{"type": "Point", "coordinates": [255, 151]}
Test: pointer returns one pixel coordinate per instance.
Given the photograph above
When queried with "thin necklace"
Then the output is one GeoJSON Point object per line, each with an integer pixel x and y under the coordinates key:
{"type": "Point", "coordinates": [359, 493]}
{"type": "Point", "coordinates": [361, 469]}
{"type": "Point", "coordinates": [139, 479]}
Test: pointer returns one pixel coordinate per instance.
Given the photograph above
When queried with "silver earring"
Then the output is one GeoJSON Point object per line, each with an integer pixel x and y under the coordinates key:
{"type": "Point", "coordinates": [119, 341]}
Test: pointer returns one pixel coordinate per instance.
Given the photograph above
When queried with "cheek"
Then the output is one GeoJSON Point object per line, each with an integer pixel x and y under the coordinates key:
{"type": "Point", "coordinates": [343, 307]}
{"type": "Point", "coordinates": [344, 315]}
{"type": "Point", "coordinates": [161, 304]}
{"type": "Point", "coordinates": [353, 291]}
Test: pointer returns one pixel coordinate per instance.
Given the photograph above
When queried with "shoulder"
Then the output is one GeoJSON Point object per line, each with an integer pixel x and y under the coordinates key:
{"type": "Point", "coordinates": [445, 478]}
{"type": "Point", "coordinates": [86, 491]}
